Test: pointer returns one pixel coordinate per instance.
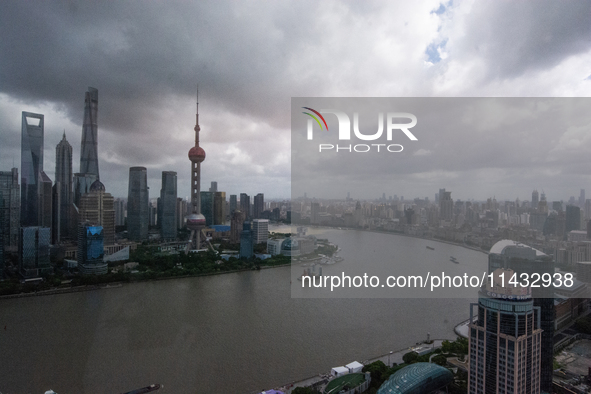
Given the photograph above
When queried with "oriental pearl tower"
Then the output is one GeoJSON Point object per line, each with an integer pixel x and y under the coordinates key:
{"type": "Point", "coordinates": [196, 221]}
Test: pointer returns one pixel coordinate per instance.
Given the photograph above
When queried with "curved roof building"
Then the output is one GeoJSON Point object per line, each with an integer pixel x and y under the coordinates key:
{"type": "Point", "coordinates": [507, 246]}
{"type": "Point", "coordinates": [418, 378]}
{"type": "Point", "coordinates": [97, 186]}
{"type": "Point", "coordinates": [290, 247]}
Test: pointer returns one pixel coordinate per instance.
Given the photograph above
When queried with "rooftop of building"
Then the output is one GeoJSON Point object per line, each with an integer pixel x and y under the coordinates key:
{"type": "Point", "coordinates": [417, 378]}
{"type": "Point", "coordinates": [500, 247]}
{"type": "Point", "coordinates": [97, 186]}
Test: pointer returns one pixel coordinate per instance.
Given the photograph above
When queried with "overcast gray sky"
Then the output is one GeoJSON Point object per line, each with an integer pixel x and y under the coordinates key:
{"type": "Point", "coordinates": [473, 147]}
{"type": "Point", "coordinates": [250, 58]}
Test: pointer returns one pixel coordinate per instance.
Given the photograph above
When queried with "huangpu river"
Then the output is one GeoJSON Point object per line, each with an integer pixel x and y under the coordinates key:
{"type": "Point", "coordinates": [231, 333]}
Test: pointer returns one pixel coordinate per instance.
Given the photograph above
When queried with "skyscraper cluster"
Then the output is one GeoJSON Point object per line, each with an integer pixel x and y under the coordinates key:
{"type": "Point", "coordinates": [50, 213]}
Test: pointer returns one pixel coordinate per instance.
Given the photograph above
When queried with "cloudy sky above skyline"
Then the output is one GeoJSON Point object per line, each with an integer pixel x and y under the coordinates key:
{"type": "Point", "coordinates": [250, 58]}
{"type": "Point", "coordinates": [508, 142]}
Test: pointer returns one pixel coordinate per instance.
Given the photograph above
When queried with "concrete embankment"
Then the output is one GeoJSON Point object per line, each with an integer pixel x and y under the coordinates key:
{"type": "Point", "coordinates": [64, 290]}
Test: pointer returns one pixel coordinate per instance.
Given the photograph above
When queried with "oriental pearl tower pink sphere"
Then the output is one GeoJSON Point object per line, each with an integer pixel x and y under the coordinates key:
{"type": "Point", "coordinates": [196, 154]}
{"type": "Point", "coordinates": [196, 221]}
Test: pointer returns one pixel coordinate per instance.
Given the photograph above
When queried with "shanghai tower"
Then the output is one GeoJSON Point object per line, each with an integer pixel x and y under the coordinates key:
{"type": "Point", "coordinates": [89, 171]}
{"type": "Point", "coordinates": [89, 150]}
{"type": "Point", "coordinates": [196, 221]}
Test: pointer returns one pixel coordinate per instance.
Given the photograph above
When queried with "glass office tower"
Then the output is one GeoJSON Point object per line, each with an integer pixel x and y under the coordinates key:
{"type": "Point", "coordinates": [31, 167]}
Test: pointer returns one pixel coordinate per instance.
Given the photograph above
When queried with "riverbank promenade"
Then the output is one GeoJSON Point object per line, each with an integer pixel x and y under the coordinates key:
{"type": "Point", "coordinates": [387, 358]}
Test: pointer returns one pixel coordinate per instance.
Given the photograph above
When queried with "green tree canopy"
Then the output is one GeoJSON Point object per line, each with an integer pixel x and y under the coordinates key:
{"type": "Point", "coordinates": [410, 357]}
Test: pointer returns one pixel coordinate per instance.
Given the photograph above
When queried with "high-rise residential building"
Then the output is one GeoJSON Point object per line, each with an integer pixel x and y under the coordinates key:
{"type": "Point", "coordinates": [181, 212]}
{"type": "Point", "coordinates": [219, 208]}
{"type": "Point", "coordinates": [159, 211]}
{"type": "Point", "coordinates": [446, 205]}
{"type": "Point", "coordinates": [56, 211]}
{"type": "Point", "coordinates": [582, 199]}
{"type": "Point", "coordinates": [260, 230]}
{"type": "Point", "coordinates": [276, 214]}
{"type": "Point", "coordinates": [233, 204]}
{"type": "Point", "coordinates": [315, 213]}
{"type": "Point", "coordinates": [9, 190]}
{"type": "Point", "coordinates": [550, 225]}
{"type": "Point", "coordinates": [91, 250]}
{"type": "Point", "coordinates": [34, 252]}
{"type": "Point", "coordinates": [167, 212]}
{"type": "Point", "coordinates": [207, 207]}
{"type": "Point", "coordinates": [520, 258]}
{"type": "Point", "coordinates": [245, 204]}
{"type": "Point", "coordinates": [573, 218]}
{"type": "Point", "coordinates": [258, 206]}
{"type": "Point", "coordinates": [236, 225]}
{"type": "Point", "coordinates": [213, 187]}
{"type": "Point", "coordinates": [505, 343]}
{"type": "Point", "coordinates": [587, 209]}
{"type": "Point", "coordinates": [31, 168]}
{"type": "Point", "coordinates": [98, 208]}
{"type": "Point", "coordinates": [46, 201]}
{"type": "Point", "coordinates": [246, 241]}
{"type": "Point", "coordinates": [195, 220]}
{"type": "Point", "coordinates": [120, 212]}
{"type": "Point", "coordinates": [138, 204]}
{"type": "Point", "coordinates": [535, 199]}
{"type": "Point", "coordinates": [438, 196]}
{"type": "Point", "coordinates": [152, 213]}
{"type": "Point", "coordinates": [63, 177]}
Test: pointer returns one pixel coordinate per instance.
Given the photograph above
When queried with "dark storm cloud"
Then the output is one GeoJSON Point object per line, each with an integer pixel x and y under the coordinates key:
{"type": "Point", "coordinates": [146, 60]}
{"type": "Point", "coordinates": [138, 53]}
{"type": "Point", "coordinates": [512, 38]}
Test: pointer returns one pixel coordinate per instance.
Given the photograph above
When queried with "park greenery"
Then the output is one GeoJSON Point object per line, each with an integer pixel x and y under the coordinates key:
{"type": "Point", "coordinates": [380, 372]}
{"type": "Point", "coordinates": [151, 265]}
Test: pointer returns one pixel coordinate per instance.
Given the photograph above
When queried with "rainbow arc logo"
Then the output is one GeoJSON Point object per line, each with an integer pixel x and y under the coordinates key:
{"type": "Point", "coordinates": [315, 118]}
